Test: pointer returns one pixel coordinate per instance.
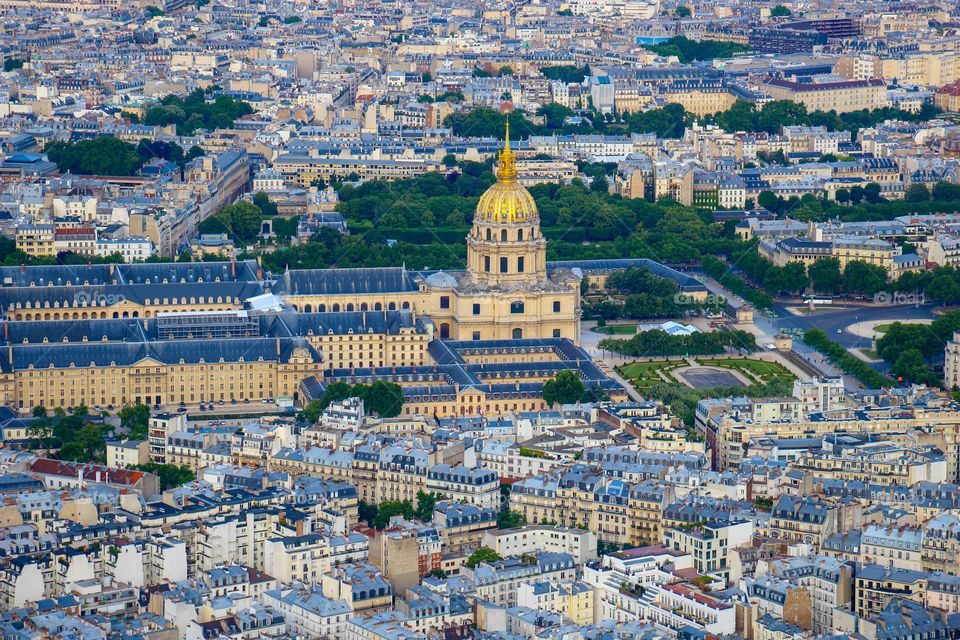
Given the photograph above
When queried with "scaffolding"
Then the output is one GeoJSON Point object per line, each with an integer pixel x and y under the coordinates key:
{"type": "Point", "coordinates": [205, 325]}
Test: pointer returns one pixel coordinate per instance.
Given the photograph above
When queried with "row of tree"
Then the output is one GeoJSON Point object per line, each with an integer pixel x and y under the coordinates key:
{"type": "Point", "coordinates": [642, 295]}
{"type": "Point", "coordinates": [688, 50]}
{"type": "Point", "coordinates": [717, 269]}
{"type": "Point", "coordinates": [746, 116]}
{"type": "Point", "coordinates": [656, 343]}
{"type": "Point", "coordinates": [846, 361]}
{"type": "Point", "coordinates": [110, 156]}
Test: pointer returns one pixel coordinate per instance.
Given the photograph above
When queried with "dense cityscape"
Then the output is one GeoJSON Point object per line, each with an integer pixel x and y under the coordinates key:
{"type": "Point", "coordinates": [526, 320]}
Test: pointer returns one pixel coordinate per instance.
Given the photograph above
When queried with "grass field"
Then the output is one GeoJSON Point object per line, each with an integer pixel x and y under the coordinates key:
{"type": "Point", "coordinates": [643, 375]}
{"type": "Point", "coordinates": [759, 367]}
{"type": "Point", "coordinates": [616, 329]}
{"type": "Point", "coordinates": [883, 328]}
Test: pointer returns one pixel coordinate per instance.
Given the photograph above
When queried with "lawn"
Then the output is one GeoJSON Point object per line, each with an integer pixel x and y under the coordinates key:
{"type": "Point", "coordinates": [759, 367]}
{"type": "Point", "coordinates": [616, 329]}
{"type": "Point", "coordinates": [883, 328]}
{"type": "Point", "coordinates": [644, 374]}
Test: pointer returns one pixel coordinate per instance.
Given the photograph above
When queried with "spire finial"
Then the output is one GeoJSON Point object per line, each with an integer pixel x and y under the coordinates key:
{"type": "Point", "coordinates": [507, 169]}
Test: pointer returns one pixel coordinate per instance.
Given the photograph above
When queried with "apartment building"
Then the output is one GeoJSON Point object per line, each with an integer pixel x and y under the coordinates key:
{"type": "Point", "coordinates": [839, 96]}
{"type": "Point", "coordinates": [580, 544]}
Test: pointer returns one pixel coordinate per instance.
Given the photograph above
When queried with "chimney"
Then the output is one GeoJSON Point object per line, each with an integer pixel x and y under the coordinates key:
{"type": "Point", "coordinates": [259, 272]}
{"type": "Point", "coordinates": [233, 268]}
{"type": "Point", "coordinates": [23, 269]}
{"type": "Point", "coordinates": [6, 329]}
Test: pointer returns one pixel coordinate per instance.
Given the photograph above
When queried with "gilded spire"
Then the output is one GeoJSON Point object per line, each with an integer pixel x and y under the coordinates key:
{"type": "Point", "coordinates": [507, 169]}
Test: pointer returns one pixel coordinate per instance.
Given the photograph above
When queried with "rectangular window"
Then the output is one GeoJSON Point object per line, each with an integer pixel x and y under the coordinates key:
{"type": "Point", "coordinates": [476, 309]}
{"type": "Point", "coordinates": [476, 335]}
{"type": "Point", "coordinates": [516, 307]}
{"type": "Point", "coordinates": [556, 333]}
{"type": "Point", "coordinates": [520, 265]}
{"type": "Point", "coordinates": [444, 302]}
{"type": "Point", "coordinates": [503, 265]}
{"type": "Point", "coordinates": [556, 306]}
{"type": "Point", "coordinates": [486, 263]}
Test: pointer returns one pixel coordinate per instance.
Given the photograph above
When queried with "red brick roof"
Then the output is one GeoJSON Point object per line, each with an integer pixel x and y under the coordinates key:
{"type": "Point", "coordinates": [108, 475]}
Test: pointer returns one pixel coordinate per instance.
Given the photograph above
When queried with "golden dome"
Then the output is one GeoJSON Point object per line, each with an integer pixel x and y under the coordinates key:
{"type": "Point", "coordinates": [506, 200]}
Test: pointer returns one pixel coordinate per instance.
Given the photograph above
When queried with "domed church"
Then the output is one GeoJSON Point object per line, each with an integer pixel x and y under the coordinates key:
{"type": "Point", "coordinates": [507, 292]}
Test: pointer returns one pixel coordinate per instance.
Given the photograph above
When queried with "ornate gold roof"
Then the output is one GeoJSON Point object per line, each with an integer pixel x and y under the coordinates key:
{"type": "Point", "coordinates": [505, 200]}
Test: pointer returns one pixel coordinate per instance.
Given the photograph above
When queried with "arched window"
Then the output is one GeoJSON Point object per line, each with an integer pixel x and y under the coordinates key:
{"type": "Point", "coordinates": [363, 306]}
{"type": "Point", "coordinates": [323, 308]}
{"type": "Point", "coordinates": [406, 305]}
{"type": "Point", "coordinates": [503, 235]}
{"type": "Point", "coordinates": [307, 308]}
{"type": "Point", "coordinates": [378, 307]}
{"type": "Point", "coordinates": [393, 306]}
{"type": "Point", "coordinates": [520, 235]}
{"type": "Point", "coordinates": [489, 235]}
{"type": "Point", "coordinates": [350, 307]}
{"type": "Point", "coordinates": [336, 308]}
{"type": "Point", "coordinates": [517, 334]}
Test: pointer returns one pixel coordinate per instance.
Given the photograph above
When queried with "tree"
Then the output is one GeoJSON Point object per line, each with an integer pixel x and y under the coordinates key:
{"type": "Point", "coordinates": [425, 504]}
{"type": "Point", "coordinates": [106, 156]}
{"type": "Point", "coordinates": [136, 418]}
{"type": "Point", "coordinates": [505, 70]}
{"type": "Point", "coordinates": [390, 508]}
{"type": "Point", "coordinates": [292, 20]}
{"type": "Point", "coordinates": [334, 392]}
{"type": "Point", "coordinates": [267, 207]}
{"type": "Point", "coordinates": [872, 193]}
{"type": "Point", "coordinates": [917, 192]}
{"type": "Point", "coordinates": [195, 152]}
{"type": "Point", "coordinates": [385, 399]}
{"type": "Point", "coordinates": [794, 276]}
{"type": "Point", "coordinates": [311, 413]}
{"type": "Point", "coordinates": [39, 411]}
{"type": "Point", "coordinates": [426, 77]}
{"type": "Point", "coordinates": [510, 519]}
{"type": "Point", "coordinates": [564, 388]}
{"type": "Point", "coordinates": [481, 73]}
{"type": "Point", "coordinates": [842, 195]}
{"type": "Point", "coordinates": [170, 474]}
{"type": "Point", "coordinates": [862, 277]}
{"type": "Point", "coordinates": [769, 201]}
{"type": "Point", "coordinates": [242, 219]}
{"type": "Point", "coordinates": [780, 11]}
{"type": "Point", "coordinates": [946, 191]}
{"type": "Point", "coordinates": [482, 555]}
{"type": "Point", "coordinates": [12, 63]}
{"type": "Point", "coordinates": [825, 275]}
{"type": "Point", "coordinates": [856, 194]}
{"type": "Point", "coordinates": [682, 11]}
{"type": "Point", "coordinates": [437, 573]}
{"type": "Point", "coordinates": [154, 11]}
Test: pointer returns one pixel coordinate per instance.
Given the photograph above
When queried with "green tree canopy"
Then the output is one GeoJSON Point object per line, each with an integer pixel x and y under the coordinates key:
{"type": "Point", "coordinates": [482, 555]}
{"type": "Point", "coordinates": [564, 388]}
{"type": "Point", "coordinates": [136, 418]}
